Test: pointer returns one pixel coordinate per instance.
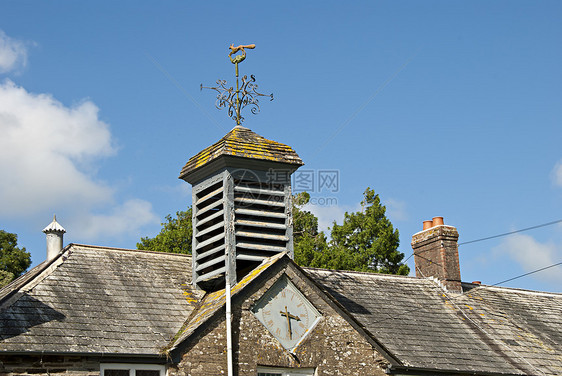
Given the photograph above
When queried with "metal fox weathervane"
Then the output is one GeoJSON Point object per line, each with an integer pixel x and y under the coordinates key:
{"type": "Point", "coordinates": [244, 95]}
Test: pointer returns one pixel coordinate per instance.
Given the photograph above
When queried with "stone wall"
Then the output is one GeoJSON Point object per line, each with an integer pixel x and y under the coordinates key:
{"type": "Point", "coordinates": [333, 347]}
{"type": "Point", "coordinates": [48, 365]}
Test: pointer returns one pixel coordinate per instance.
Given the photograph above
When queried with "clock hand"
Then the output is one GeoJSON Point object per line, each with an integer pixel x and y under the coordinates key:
{"type": "Point", "coordinates": [289, 317]}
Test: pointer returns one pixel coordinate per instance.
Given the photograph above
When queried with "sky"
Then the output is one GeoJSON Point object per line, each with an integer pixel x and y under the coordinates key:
{"type": "Point", "coordinates": [444, 108]}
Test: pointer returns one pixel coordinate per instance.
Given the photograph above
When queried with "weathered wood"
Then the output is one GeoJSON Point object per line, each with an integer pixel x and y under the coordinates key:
{"type": "Point", "coordinates": [212, 194]}
{"type": "Point", "coordinates": [256, 201]}
{"type": "Point", "coordinates": [260, 213]}
{"type": "Point", "coordinates": [210, 229]}
{"type": "Point", "coordinates": [208, 253]}
{"type": "Point", "coordinates": [260, 235]}
{"type": "Point", "coordinates": [210, 218]}
{"type": "Point", "coordinates": [247, 222]}
{"type": "Point", "coordinates": [249, 257]}
{"type": "Point", "coordinates": [259, 191]}
{"type": "Point", "coordinates": [260, 247]}
{"type": "Point", "coordinates": [289, 220]}
{"type": "Point", "coordinates": [210, 241]}
{"type": "Point", "coordinates": [230, 237]}
{"type": "Point", "coordinates": [210, 207]}
{"type": "Point", "coordinates": [210, 275]}
{"type": "Point", "coordinates": [211, 262]}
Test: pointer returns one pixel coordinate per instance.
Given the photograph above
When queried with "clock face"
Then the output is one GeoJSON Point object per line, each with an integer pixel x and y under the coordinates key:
{"type": "Point", "coordinates": [286, 313]}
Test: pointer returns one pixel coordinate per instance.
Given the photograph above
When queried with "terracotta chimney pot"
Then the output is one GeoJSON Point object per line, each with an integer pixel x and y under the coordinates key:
{"type": "Point", "coordinates": [427, 225]}
{"type": "Point", "coordinates": [438, 221]}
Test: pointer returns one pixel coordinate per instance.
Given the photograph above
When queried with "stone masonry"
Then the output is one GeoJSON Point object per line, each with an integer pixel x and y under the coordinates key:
{"type": "Point", "coordinates": [333, 347]}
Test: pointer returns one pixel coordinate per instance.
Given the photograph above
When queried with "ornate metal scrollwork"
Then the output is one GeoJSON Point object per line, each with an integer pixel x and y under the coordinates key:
{"type": "Point", "coordinates": [237, 99]}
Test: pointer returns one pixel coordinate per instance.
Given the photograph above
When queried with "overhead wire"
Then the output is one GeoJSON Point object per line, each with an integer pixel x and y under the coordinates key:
{"type": "Point", "coordinates": [498, 236]}
{"type": "Point", "coordinates": [484, 286]}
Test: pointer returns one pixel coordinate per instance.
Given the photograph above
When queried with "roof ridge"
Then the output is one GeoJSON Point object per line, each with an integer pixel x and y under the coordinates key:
{"type": "Point", "coordinates": [129, 250]}
{"type": "Point", "coordinates": [363, 273]}
{"type": "Point", "coordinates": [515, 289]}
{"type": "Point", "coordinates": [9, 293]}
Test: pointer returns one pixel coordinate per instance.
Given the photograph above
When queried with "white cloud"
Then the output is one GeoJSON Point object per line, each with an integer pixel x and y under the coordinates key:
{"type": "Point", "coordinates": [128, 218]}
{"type": "Point", "coordinates": [13, 53]}
{"type": "Point", "coordinates": [42, 148]}
{"type": "Point", "coordinates": [556, 174]}
{"type": "Point", "coordinates": [396, 210]}
{"type": "Point", "coordinates": [48, 155]}
{"type": "Point", "coordinates": [533, 255]}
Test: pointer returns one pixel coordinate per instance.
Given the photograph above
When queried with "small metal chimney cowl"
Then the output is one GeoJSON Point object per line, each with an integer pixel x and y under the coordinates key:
{"type": "Point", "coordinates": [54, 232]}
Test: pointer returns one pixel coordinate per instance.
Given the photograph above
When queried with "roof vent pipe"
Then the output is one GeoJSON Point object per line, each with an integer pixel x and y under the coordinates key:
{"type": "Point", "coordinates": [54, 232]}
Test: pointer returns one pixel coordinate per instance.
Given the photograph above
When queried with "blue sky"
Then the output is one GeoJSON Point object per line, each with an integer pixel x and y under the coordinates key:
{"type": "Point", "coordinates": [444, 108]}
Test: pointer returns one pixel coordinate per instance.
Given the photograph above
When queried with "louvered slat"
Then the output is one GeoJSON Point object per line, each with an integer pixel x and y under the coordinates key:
{"type": "Point", "coordinates": [209, 195]}
{"type": "Point", "coordinates": [210, 229]}
{"type": "Point", "coordinates": [210, 241]}
{"type": "Point", "coordinates": [256, 201]}
{"type": "Point", "coordinates": [211, 263]}
{"type": "Point", "coordinates": [260, 235]}
{"type": "Point", "coordinates": [248, 257]}
{"type": "Point", "coordinates": [210, 207]}
{"type": "Point", "coordinates": [210, 252]}
{"type": "Point", "coordinates": [260, 213]}
{"type": "Point", "coordinates": [258, 191]}
{"type": "Point", "coordinates": [246, 222]}
{"type": "Point", "coordinates": [260, 247]}
{"type": "Point", "coordinates": [201, 222]}
{"type": "Point", "coordinates": [210, 275]}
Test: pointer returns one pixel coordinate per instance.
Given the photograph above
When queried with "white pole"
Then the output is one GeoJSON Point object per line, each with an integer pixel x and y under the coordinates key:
{"type": "Point", "coordinates": [228, 327]}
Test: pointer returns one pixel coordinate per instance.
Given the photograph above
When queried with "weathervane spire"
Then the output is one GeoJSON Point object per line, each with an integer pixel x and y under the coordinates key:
{"type": "Point", "coordinates": [244, 95]}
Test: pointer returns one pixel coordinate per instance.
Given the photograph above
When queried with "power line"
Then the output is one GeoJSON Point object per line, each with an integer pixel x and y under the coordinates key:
{"type": "Point", "coordinates": [513, 232]}
{"type": "Point", "coordinates": [526, 274]}
{"type": "Point", "coordinates": [480, 287]}
{"type": "Point", "coordinates": [496, 236]}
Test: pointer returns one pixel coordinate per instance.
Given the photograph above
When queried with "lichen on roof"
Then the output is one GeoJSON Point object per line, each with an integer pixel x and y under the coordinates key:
{"type": "Point", "coordinates": [242, 142]}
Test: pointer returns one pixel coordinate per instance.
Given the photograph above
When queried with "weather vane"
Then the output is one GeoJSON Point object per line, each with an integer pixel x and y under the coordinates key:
{"type": "Point", "coordinates": [244, 95]}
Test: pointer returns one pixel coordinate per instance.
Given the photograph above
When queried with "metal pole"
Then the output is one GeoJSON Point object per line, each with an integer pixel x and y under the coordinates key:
{"type": "Point", "coordinates": [228, 327]}
{"type": "Point", "coordinates": [237, 97]}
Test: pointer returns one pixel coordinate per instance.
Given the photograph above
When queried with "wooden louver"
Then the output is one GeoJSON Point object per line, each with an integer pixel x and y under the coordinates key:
{"type": "Point", "coordinates": [238, 220]}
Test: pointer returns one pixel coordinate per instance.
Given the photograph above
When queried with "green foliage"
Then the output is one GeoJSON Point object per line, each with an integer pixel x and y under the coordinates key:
{"type": "Point", "coordinates": [308, 242]}
{"type": "Point", "coordinates": [13, 260]}
{"type": "Point", "coordinates": [6, 277]}
{"type": "Point", "coordinates": [366, 241]}
{"type": "Point", "coordinates": [175, 236]}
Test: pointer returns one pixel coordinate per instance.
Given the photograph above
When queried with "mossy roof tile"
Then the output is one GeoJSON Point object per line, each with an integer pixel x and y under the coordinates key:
{"type": "Point", "coordinates": [242, 142]}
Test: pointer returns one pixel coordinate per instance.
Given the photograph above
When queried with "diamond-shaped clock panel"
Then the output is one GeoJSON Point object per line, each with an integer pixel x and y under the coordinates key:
{"type": "Point", "coordinates": [286, 313]}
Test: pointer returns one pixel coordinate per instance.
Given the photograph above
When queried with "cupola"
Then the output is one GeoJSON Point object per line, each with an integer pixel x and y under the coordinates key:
{"type": "Point", "coordinates": [242, 209]}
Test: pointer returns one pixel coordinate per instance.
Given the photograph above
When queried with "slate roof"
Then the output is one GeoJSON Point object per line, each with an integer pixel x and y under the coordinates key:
{"type": "Point", "coordinates": [101, 300]}
{"type": "Point", "coordinates": [486, 329]}
{"type": "Point", "coordinates": [97, 300]}
{"type": "Point", "coordinates": [242, 142]}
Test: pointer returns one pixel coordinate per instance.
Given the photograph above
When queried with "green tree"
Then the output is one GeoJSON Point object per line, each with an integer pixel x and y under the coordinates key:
{"type": "Point", "coordinates": [13, 260]}
{"type": "Point", "coordinates": [366, 241]}
{"type": "Point", "coordinates": [308, 242]}
{"type": "Point", "coordinates": [175, 236]}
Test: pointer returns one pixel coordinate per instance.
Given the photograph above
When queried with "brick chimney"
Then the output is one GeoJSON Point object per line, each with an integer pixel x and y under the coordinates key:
{"type": "Point", "coordinates": [436, 253]}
